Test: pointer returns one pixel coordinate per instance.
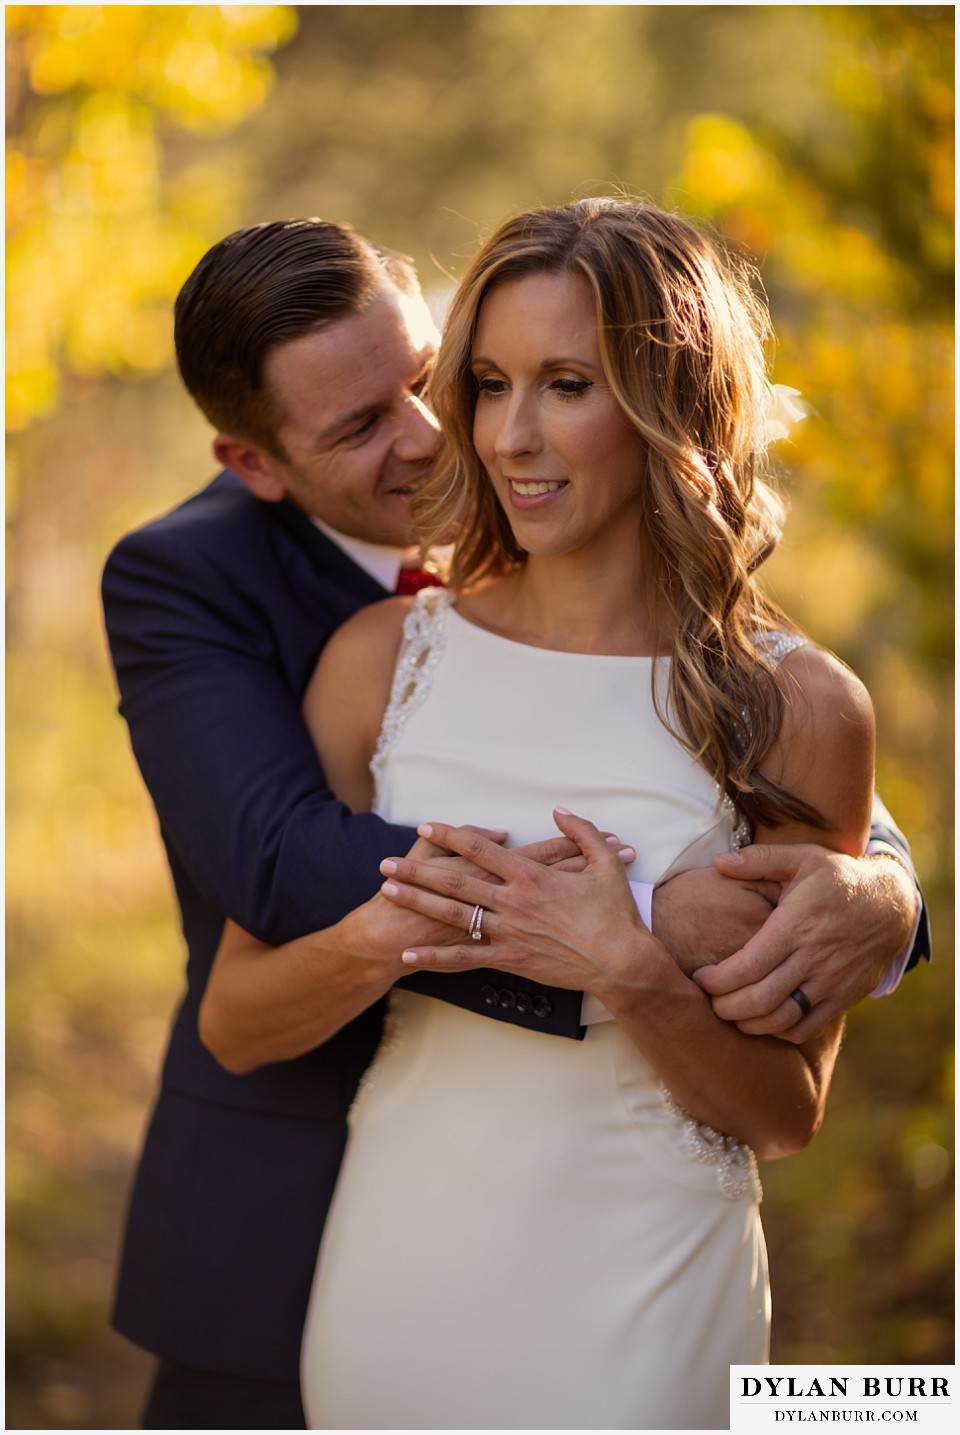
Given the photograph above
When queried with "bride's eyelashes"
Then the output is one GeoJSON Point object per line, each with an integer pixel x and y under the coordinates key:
{"type": "Point", "coordinates": [490, 388]}
{"type": "Point", "coordinates": [565, 388]}
{"type": "Point", "coordinates": [570, 388]}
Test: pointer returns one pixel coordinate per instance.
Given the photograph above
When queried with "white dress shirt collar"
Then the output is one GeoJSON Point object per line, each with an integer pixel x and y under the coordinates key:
{"type": "Point", "coordinates": [381, 562]}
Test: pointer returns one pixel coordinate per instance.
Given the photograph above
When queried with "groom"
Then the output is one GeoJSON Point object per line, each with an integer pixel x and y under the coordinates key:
{"type": "Point", "coordinates": [308, 349]}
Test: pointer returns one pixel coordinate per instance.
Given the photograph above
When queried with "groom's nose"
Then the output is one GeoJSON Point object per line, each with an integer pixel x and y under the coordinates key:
{"type": "Point", "coordinates": [419, 436]}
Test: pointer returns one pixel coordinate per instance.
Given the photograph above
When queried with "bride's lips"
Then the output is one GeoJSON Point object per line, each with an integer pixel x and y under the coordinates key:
{"type": "Point", "coordinates": [534, 492]}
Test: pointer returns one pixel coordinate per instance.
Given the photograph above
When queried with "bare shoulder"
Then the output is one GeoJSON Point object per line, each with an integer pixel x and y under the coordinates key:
{"type": "Point", "coordinates": [362, 652]}
{"type": "Point", "coordinates": [373, 631]}
{"type": "Point", "coordinates": [348, 694]}
{"type": "Point", "coordinates": [825, 750]}
{"type": "Point", "coordinates": [821, 690]}
{"type": "Point", "coordinates": [372, 626]}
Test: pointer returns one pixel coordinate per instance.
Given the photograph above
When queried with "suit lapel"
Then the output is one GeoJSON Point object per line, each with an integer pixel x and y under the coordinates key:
{"type": "Point", "coordinates": [326, 556]}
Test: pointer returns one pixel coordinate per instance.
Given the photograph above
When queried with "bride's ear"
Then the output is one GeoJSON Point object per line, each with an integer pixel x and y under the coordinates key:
{"type": "Point", "coordinates": [262, 473]}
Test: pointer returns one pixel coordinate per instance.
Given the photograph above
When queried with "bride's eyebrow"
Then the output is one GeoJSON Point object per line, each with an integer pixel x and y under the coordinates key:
{"type": "Point", "coordinates": [563, 361]}
{"type": "Point", "coordinates": [557, 363]}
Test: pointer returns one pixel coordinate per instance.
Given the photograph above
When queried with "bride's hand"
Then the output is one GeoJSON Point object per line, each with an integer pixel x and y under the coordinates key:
{"type": "Point", "coordinates": [560, 927]}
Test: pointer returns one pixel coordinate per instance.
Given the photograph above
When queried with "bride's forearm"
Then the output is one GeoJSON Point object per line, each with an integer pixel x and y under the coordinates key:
{"type": "Point", "coordinates": [764, 1092]}
{"type": "Point", "coordinates": [267, 1004]}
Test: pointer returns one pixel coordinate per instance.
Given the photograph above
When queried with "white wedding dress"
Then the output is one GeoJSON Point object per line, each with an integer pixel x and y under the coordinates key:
{"type": "Point", "coordinates": [527, 1232]}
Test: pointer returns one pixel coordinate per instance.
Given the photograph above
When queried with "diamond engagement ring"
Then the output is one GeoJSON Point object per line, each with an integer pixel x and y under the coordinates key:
{"type": "Point", "coordinates": [476, 924]}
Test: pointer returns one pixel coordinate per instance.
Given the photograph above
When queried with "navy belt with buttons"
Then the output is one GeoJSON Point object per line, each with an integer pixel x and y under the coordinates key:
{"type": "Point", "coordinates": [503, 997]}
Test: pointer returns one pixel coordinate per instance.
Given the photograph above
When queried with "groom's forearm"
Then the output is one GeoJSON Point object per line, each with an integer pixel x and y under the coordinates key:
{"type": "Point", "coordinates": [701, 916]}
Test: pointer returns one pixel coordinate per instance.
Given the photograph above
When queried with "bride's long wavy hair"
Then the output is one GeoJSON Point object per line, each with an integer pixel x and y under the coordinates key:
{"type": "Point", "coordinates": [683, 339]}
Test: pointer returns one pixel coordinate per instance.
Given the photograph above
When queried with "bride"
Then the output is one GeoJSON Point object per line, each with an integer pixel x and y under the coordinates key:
{"type": "Point", "coordinates": [562, 1234]}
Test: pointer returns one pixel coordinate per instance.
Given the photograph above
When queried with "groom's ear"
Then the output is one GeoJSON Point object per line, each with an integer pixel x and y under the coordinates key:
{"type": "Point", "coordinates": [262, 473]}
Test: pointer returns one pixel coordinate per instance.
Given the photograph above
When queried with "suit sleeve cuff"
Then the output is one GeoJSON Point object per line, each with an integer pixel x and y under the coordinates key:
{"type": "Point", "coordinates": [891, 978]}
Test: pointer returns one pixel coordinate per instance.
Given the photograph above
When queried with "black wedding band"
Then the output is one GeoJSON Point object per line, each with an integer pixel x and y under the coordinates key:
{"type": "Point", "coordinates": [802, 1001]}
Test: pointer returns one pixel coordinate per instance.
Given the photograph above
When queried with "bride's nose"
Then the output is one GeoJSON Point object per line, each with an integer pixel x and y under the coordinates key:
{"type": "Point", "coordinates": [519, 430]}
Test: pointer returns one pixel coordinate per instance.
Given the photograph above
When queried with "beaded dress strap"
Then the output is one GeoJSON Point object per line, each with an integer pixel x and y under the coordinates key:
{"type": "Point", "coordinates": [424, 640]}
{"type": "Point", "coordinates": [773, 647]}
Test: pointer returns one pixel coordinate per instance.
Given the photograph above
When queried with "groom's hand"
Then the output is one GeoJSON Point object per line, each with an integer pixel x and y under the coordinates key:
{"type": "Point", "coordinates": [839, 923]}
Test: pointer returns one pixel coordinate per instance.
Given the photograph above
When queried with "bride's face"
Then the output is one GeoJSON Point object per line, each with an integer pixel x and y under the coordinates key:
{"type": "Point", "coordinates": [565, 462]}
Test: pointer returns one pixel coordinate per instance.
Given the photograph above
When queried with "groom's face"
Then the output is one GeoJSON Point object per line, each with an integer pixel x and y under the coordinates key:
{"type": "Point", "coordinates": [357, 437]}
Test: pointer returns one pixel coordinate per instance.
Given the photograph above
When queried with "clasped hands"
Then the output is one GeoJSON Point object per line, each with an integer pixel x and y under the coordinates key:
{"type": "Point", "coordinates": [556, 923]}
{"type": "Point", "coordinates": [749, 931]}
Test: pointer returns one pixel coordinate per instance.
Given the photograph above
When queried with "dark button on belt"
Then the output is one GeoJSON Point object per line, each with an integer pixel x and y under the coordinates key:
{"type": "Point", "coordinates": [524, 1003]}
{"type": "Point", "coordinates": [508, 999]}
{"type": "Point", "coordinates": [542, 1006]}
{"type": "Point", "coordinates": [490, 995]}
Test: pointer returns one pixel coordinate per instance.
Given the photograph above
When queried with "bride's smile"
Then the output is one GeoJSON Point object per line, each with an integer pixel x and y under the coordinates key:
{"type": "Point", "coordinates": [564, 460]}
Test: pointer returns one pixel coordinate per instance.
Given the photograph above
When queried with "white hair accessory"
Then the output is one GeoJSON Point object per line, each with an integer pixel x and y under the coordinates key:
{"type": "Point", "coordinates": [784, 409]}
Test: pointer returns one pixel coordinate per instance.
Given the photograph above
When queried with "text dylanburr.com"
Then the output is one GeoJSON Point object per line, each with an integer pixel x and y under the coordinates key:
{"type": "Point", "coordinates": [780, 1398]}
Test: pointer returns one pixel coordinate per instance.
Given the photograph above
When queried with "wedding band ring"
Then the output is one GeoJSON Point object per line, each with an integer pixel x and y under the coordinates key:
{"type": "Point", "coordinates": [476, 924]}
{"type": "Point", "coordinates": [802, 1001]}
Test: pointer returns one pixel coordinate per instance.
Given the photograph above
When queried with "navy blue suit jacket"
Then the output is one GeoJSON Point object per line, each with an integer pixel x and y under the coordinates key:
{"type": "Point", "coordinates": [216, 614]}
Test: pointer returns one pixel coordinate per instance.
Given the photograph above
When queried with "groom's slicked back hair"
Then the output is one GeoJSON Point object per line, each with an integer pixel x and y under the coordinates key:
{"type": "Point", "coordinates": [261, 287]}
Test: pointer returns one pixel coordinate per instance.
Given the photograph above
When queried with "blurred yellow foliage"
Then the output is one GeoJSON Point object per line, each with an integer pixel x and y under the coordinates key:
{"type": "Point", "coordinates": [200, 64]}
{"type": "Point", "coordinates": [724, 165]}
{"type": "Point", "coordinates": [100, 234]}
